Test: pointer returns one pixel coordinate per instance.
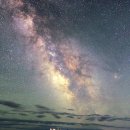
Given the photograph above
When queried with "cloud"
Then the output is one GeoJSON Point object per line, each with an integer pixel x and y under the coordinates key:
{"type": "Point", "coordinates": [3, 112]}
{"type": "Point", "coordinates": [42, 107]}
{"type": "Point", "coordinates": [40, 116]}
{"type": "Point", "coordinates": [23, 114]}
{"type": "Point", "coordinates": [43, 111]}
{"type": "Point", "coordinates": [40, 124]}
{"type": "Point", "coordinates": [70, 116]}
{"type": "Point", "coordinates": [108, 118]}
{"type": "Point", "coordinates": [11, 104]}
{"type": "Point", "coordinates": [70, 109]}
{"type": "Point", "coordinates": [56, 115]}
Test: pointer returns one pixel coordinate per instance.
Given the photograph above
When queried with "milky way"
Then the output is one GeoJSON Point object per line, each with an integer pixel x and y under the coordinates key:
{"type": "Point", "coordinates": [64, 63]}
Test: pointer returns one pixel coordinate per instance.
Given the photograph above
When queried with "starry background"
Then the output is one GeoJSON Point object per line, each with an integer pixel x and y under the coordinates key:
{"type": "Point", "coordinates": [102, 29]}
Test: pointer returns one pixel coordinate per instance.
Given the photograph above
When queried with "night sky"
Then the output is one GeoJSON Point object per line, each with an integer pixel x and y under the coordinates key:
{"type": "Point", "coordinates": [65, 63]}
